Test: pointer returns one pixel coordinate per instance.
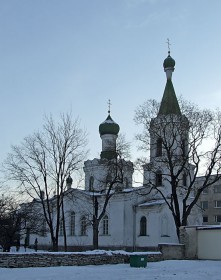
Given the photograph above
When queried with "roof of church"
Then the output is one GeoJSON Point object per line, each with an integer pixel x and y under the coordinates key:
{"type": "Point", "coordinates": [150, 203]}
{"type": "Point", "coordinates": [168, 62]}
{"type": "Point", "coordinates": [169, 104]}
{"type": "Point", "coordinates": [109, 127]}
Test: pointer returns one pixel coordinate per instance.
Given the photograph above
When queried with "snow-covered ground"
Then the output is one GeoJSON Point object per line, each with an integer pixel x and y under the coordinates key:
{"type": "Point", "coordinates": [165, 270]}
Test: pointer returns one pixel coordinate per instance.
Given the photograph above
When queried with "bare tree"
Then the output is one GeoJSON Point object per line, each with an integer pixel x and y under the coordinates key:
{"type": "Point", "coordinates": [9, 223]}
{"type": "Point", "coordinates": [13, 221]}
{"type": "Point", "coordinates": [123, 147]}
{"type": "Point", "coordinates": [112, 183]}
{"type": "Point", "coordinates": [181, 147]}
{"type": "Point", "coordinates": [42, 163]}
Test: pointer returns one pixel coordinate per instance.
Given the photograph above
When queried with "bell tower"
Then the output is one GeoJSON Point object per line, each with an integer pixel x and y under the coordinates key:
{"type": "Point", "coordinates": [97, 171]}
{"type": "Point", "coordinates": [168, 139]}
{"type": "Point", "coordinates": [109, 132]}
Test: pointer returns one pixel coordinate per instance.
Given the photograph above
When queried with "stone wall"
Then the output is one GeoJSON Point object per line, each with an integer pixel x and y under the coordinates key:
{"type": "Point", "coordinates": [172, 251]}
{"type": "Point", "coordinates": [65, 259]}
{"type": "Point", "coordinates": [188, 236]}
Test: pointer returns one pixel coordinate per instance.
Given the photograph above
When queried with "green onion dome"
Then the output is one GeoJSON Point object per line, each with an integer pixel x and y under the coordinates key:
{"type": "Point", "coordinates": [169, 62]}
{"type": "Point", "coordinates": [109, 127]}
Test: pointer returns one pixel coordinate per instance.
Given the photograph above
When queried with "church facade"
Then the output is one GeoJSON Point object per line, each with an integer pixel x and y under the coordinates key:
{"type": "Point", "coordinates": [135, 217]}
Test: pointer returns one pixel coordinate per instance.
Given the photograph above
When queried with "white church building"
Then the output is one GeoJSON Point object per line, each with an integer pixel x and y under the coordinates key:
{"type": "Point", "coordinates": [135, 218]}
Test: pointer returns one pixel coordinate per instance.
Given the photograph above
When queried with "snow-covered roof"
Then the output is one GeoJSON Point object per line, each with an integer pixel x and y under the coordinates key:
{"type": "Point", "coordinates": [151, 203]}
{"type": "Point", "coordinates": [208, 227]}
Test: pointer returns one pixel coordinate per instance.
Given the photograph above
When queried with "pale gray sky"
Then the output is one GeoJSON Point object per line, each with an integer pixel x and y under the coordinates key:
{"type": "Point", "coordinates": [57, 56]}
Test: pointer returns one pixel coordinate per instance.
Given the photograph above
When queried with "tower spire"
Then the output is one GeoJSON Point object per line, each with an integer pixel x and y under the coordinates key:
{"type": "Point", "coordinates": [169, 63]}
{"type": "Point", "coordinates": [109, 133]}
{"type": "Point", "coordinates": [169, 104]}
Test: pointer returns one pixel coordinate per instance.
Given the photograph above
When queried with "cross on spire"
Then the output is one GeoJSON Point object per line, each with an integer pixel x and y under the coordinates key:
{"type": "Point", "coordinates": [109, 105]}
{"type": "Point", "coordinates": [168, 44]}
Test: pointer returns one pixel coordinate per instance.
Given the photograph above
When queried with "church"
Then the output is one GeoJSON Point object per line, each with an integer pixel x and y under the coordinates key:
{"type": "Point", "coordinates": [134, 218]}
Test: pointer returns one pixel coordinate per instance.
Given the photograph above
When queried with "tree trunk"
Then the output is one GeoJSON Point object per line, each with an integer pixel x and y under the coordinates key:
{"type": "Point", "coordinates": [95, 233]}
{"type": "Point", "coordinates": [64, 227]}
{"type": "Point", "coordinates": [65, 239]}
{"type": "Point", "coordinates": [177, 224]}
{"type": "Point", "coordinates": [54, 245]}
{"type": "Point", "coordinates": [178, 233]}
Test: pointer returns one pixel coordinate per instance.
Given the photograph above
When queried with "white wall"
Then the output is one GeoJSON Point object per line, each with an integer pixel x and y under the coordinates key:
{"type": "Point", "coordinates": [155, 215]}
{"type": "Point", "coordinates": [209, 244]}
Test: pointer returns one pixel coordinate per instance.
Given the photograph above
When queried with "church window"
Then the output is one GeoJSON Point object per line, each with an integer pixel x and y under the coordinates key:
{"type": "Point", "coordinates": [159, 147]}
{"type": "Point", "coordinates": [159, 179]}
{"type": "Point", "coordinates": [72, 224]}
{"type": "Point", "coordinates": [83, 226]}
{"type": "Point", "coordinates": [143, 226]}
{"type": "Point", "coordinates": [105, 225]}
{"type": "Point", "coordinates": [91, 183]}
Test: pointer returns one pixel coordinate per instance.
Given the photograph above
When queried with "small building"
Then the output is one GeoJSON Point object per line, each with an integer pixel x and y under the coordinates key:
{"type": "Point", "coordinates": [202, 242]}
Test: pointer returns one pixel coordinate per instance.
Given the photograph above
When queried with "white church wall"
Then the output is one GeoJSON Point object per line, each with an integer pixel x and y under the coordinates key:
{"type": "Point", "coordinates": [129, 219]}
{"type": "Point", "coordinates": [120, 214]}
{"type": "Point", "coordinates": [160, 227]}
{"type": "Point", "coordinates": [98, 171]}
{"type": "Point", "coordinates": [116, 216]}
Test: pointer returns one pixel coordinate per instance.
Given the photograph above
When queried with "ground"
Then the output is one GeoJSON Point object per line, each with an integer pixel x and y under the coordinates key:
{"type": "Point", "coordinates": [164, 270]}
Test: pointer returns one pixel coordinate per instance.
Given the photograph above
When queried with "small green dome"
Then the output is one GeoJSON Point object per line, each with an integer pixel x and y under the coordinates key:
{"type": "Point", "coordinates": [109, 127]}
{"type": "Point", "coordinates": [169, 62]}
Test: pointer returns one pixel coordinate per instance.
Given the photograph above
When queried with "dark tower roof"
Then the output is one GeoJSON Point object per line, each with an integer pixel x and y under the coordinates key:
{"type": "Point", "coordinates": [169, 104]}
{"type": "Point", "coordinates": [109, 127]}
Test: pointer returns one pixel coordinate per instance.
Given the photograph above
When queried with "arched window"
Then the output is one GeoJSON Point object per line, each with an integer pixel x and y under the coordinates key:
{"type": "Point", "coordinates": [91, 183]}
{"type": "Point", "coordinates": [105, 225]}
{"type": "Point", "coordinates": [143, 226]}
{"type": "Point", "coordinates": [159, 147]}
{"type": "Point", "coordinates": [159, 180]}
{"type": "Point", "coordinates": [83, 226]}
{"type": "Point", "coordinates": [72, 223]}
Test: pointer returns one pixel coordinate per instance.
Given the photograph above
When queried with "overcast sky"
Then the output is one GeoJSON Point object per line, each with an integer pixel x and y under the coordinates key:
{"type": "Point", "coordinates": [57, 56]}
